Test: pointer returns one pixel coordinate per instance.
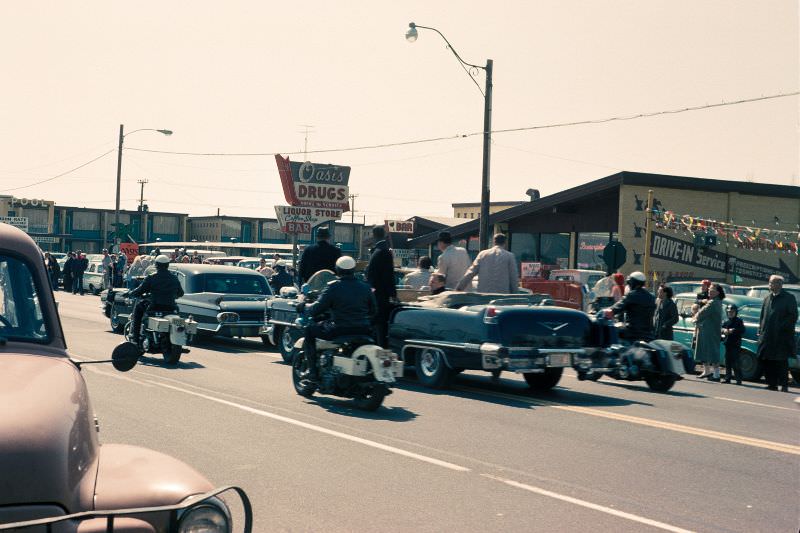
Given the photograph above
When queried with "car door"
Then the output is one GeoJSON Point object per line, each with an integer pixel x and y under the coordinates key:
{"type": "Point", "coordinates": [683, 331]}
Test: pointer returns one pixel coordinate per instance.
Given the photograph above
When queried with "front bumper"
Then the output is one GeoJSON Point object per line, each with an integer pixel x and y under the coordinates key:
{"type": "Point", "coordinates": [232, 329]}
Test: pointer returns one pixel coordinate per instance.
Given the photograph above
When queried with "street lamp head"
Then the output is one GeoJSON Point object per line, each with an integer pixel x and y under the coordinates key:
{"type": "Point", "coordinates": [411, 33]}
{"type": "Point", "coordinates": [165, 132]}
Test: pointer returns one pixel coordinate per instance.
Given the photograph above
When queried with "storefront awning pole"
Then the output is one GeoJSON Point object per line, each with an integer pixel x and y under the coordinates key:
{"type": "Point", "coordinates": [648, 235]}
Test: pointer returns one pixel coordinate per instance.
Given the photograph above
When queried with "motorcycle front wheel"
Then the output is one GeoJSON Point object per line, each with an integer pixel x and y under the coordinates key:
{"type": "Point", "coordinates": [302, 386]}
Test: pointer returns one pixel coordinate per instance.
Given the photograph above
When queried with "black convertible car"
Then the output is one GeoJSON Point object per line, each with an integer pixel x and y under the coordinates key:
{"type": "Point", "coordinates": [224, 300]}
{"type": "Point", "coordinates": [456, 331]}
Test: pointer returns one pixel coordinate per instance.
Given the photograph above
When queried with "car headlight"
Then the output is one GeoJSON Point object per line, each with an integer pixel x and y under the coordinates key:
{"type": "Point", "coordinates": [205, 518]}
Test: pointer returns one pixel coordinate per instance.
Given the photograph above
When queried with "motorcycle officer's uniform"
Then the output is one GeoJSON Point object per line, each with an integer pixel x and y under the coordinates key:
{"type": "Point", "coordinates": [638, 307]}
{"type": "Point", "coordinates": [352, 307]}
{"type": "Point", "coordinates": [163, 287]}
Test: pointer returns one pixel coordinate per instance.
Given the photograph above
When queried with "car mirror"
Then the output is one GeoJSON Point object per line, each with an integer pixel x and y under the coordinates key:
{"type": "Point", "coordinates": [125, 356]}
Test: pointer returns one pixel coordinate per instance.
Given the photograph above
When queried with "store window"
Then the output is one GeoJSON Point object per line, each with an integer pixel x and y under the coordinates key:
{"type": "Point", "coordinates": [590, 250]}
{"type": "Point", "coordinates": [343, 233]}
{"type": "Point", "coordinates": [525, 246]}
{"type": "Point", "coordinates": [165, 225]}
{"type": "Point", "coordinates": [270, 230]}
{"type": "Point", "coordinates": [86, 221]}
{"type": "Point", "coordinates": [554, 249]}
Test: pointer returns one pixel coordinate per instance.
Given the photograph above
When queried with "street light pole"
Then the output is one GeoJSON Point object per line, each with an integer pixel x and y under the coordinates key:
{"type": "Point", "coordinates": [483, 231]}
{"type": "Point", "coordinates": [122, 136]}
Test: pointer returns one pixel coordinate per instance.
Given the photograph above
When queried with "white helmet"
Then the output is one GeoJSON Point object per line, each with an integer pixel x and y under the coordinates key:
{"type": "Point", "coordinates": [345, 264]}
{"type": "Point", "coordinates": [162, 260]}
{"type": "Point", "coordinates": [278, 263]}
{"type": "Point", "coordinates": [638, 277]}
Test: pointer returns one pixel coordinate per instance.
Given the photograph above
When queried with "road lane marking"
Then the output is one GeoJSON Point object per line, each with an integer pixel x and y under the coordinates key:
{"type": "Point", "coordinates": [680, 428]}
{"type": "Point", "coordinates": [319, 429]}
{"type": "Point", "coordinates": [588, 505]}
{"type": "Point", "coordinates": [755, 403]}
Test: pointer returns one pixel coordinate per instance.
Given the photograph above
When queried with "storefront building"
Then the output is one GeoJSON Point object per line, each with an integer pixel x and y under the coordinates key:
{"type": "Point", "coordinates": [61, 228]}
{"type": "Point", "coordinates": [571, 228]}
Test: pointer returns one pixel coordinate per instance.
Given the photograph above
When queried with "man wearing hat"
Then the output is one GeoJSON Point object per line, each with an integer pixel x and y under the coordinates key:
{"type": "Point", "coordinates": [319, 256]}
{"type": "Point", "coordinates": [496, 269]}
{"type": "Point", "coordinates": [281, 278]}
{"type": "Point", "coordinates": [454, 261]}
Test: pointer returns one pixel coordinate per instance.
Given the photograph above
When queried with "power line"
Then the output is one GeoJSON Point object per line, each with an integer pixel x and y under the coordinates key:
{"type": "Point", "coordinates": [465, 135]}
{"type": "Point", "coordinates": [62, 174]}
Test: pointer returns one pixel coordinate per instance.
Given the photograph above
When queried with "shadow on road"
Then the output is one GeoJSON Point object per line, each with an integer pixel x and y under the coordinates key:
{"type": "Point", "coordinates": [230, 345]}
{"type": "Point", "coordinates": [346, 408]}
{"type": "Point", "coordinates": [480, 384]}
{"type": "Point", "coordinates": [156, 361]}
{"type": "Point", "coordinates": [642, 386]}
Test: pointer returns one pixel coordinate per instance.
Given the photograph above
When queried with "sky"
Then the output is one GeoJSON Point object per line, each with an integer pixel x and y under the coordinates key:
{"type": "Point", "coordinates": [251, 77]}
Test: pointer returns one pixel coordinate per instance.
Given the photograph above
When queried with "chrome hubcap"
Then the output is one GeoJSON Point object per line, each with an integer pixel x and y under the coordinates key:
{"type": "Point", "coordinates": [429, 362]}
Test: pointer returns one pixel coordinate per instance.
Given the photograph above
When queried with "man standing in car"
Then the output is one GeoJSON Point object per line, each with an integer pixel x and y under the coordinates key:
{"type": "Point", "coordinates": [454, 261]}
{"type": "Point", "coordinates": [776, 336]}
{"type": "Point", "coordinates": [496, 269]}
{"type": "Point", "coordinates": [319, 256]}
{"type": "Point", "coordinates": [380, 276]}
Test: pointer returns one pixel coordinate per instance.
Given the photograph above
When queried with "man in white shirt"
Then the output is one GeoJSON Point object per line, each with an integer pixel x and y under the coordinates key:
{"type": "Point", "coordinates": [419, 278]}
{"type": "Point", "coordinates": [496, 269]}
{"type": "Point", "coordinates": [453, 262]}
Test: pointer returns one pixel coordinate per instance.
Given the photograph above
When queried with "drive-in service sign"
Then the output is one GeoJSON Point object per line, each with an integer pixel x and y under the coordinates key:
{"type": "Point", "coordinates": [314, 184]}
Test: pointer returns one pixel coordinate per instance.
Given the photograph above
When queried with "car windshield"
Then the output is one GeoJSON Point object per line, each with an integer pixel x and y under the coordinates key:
{"type": "Point", "coordinates": [233, 284]}
{"type": "Point", "coordinates": [21, 316]}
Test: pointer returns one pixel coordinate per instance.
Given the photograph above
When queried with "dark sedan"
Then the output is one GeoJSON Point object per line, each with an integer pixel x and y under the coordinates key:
{"type": "Point", "coordinates": [224, 300]}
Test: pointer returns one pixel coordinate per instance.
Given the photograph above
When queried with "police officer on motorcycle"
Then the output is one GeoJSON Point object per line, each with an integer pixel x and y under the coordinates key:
{"type": "Point", "coordinates": [163, 287]}
{"type": "Point", "coordinates": [352, 310]}
{"type": "Point", "coordinates": [638, 307]}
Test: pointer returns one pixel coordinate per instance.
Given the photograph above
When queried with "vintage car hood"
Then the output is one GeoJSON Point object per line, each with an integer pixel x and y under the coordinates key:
{"type": "Point", "coordinates": [48, 441]}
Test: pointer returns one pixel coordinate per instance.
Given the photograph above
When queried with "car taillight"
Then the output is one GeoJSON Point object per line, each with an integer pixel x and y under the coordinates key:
{"type": "Point", "coordinates": [491, 311]}
{"type": "Point", "coordinates": [387, 362]}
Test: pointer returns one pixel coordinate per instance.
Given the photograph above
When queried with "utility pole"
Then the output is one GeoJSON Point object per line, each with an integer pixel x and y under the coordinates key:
{"type": "Point", "coordinates": [353, 208]}
{"type": "Point", "coordinates": [141, 194]}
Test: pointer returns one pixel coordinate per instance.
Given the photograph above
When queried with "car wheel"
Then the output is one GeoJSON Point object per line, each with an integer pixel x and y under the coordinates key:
{"type": "Point", "coordinates": [172, 354]}
{"type": "Point", "coordinates": [432, 370]}
{"type": "Point", "coordinates": [286, 340]}
{"type": "Point", "coordinates": [116, 325]}
{"type": "Point", "coordinates": [544, 381]}
{"type": "Point", "coordinates": [91, 289]}
{"type": "Point", "coordinates": [748, 364]}
{"type": "Point", "coordinates": [302, 386]}
{"type": "Point", "coordinates": [265, 340]}
{"type": "Point", "coordinates": [659, 383]}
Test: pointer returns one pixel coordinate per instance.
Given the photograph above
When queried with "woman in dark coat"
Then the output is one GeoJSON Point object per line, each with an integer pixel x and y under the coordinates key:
{"type": "Point", "coordinates": [709, 332]}
{"type": "Point", "coordinates": [666, 314]}
{"type": "Point", "coordinates": [733, 328]}
{"type": "Point", "coordinates": [68, 271]}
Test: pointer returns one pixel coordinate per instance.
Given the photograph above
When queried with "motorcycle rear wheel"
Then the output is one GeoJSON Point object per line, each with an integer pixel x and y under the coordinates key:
{"type": "Point", "coordinates": [302, 386]}
{"type": "Point", "coordinates": [172, 354]}
{"type": "Point", "coordinates": [659, 383]}
{"type": "Point", "coordinates": [372, 400]}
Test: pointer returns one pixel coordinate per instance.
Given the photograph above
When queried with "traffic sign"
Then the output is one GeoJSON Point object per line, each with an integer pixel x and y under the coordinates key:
{"type": "Point", "coordinates": [614, 255]}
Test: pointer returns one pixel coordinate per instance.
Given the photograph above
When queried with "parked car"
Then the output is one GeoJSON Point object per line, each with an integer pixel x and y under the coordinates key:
{"type": "Point", "coordinates": [230, 260]}
{"type": "Point", "coordinates": [750, 313]}
{"type": "Point", "coordinates": [224, 300]}
{"type": "Point", "coordinates": [94, 279]}
{"type": "Point", "coordinates": [453, 331]}
{"type": "Point", "coordinates": [55, 472]}
{"type": "Point", "coordinates": [741, 290]}
{"type": "Point", "coordinates": [761, 291]}
{"type": "Point", "coordinates": [679, 287]}
{"type": "Point", "coordinates": [250, 263]}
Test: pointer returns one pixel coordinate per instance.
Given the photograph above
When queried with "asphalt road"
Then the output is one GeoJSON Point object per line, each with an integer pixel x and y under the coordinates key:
{"type": "Point", "coordinates": [604, 456]}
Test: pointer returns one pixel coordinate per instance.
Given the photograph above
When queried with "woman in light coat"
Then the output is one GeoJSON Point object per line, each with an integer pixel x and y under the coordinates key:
{"type": "Point", "coordinates": [708, 321]}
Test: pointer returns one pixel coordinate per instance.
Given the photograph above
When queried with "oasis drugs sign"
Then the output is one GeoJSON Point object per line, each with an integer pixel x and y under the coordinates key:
{"type": "Point", "coordinates": [314, 184]}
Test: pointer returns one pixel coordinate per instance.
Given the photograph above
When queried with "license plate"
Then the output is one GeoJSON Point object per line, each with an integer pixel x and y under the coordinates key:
{"type": "Point", "coordinates": [517, 364]}
{"type": "Point", "coordinates": [559, 359]}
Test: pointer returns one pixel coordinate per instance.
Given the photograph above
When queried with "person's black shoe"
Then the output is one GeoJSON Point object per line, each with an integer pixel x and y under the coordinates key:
{"type": "Point", "coordinates": [738, 381]}
{"type": "Point", "coordinates": [785, 388]}
{"type": "Point", "coordinates": [772, 387]}
{"type": "Point", "coordinates": [727, 380]}
{"type": "Point", "coordinates": [712, 378]}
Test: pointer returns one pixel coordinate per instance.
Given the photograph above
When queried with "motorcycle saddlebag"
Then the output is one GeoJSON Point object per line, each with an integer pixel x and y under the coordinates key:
{"type": "Point", "coordinates": [158, 324]}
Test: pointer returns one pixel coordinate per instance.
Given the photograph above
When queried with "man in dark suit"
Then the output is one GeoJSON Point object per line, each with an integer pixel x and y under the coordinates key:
{"type": "Point", "coordinates": [776, 341]}
{"type": "Point", "coordinates": [319, 256]}
{"type": "Point", "coordinates": [380, 275]}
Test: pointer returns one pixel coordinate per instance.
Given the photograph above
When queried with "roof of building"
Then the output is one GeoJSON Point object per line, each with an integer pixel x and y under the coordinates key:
{"type": "Point", "coordinates": [612, 182]}
{"type": "Point", "coordinates": [444, 222]}
{"type": "Point", "coordinates": [509, 203]}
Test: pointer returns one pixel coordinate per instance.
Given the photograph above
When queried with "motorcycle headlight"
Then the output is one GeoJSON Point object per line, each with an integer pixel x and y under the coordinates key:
{"type": "Point", "coordinates": [204, 518]}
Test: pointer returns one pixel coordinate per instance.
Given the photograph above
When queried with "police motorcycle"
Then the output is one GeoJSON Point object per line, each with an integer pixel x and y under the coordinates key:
{"type": "Point", "coordinates": [167, 334]}
{"type": "Point", "coordinates": [660, 363]}
{"type": "Point", "coordinates": [161, 331]}
{"type": "Point", "coordinates": [349, 366]}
